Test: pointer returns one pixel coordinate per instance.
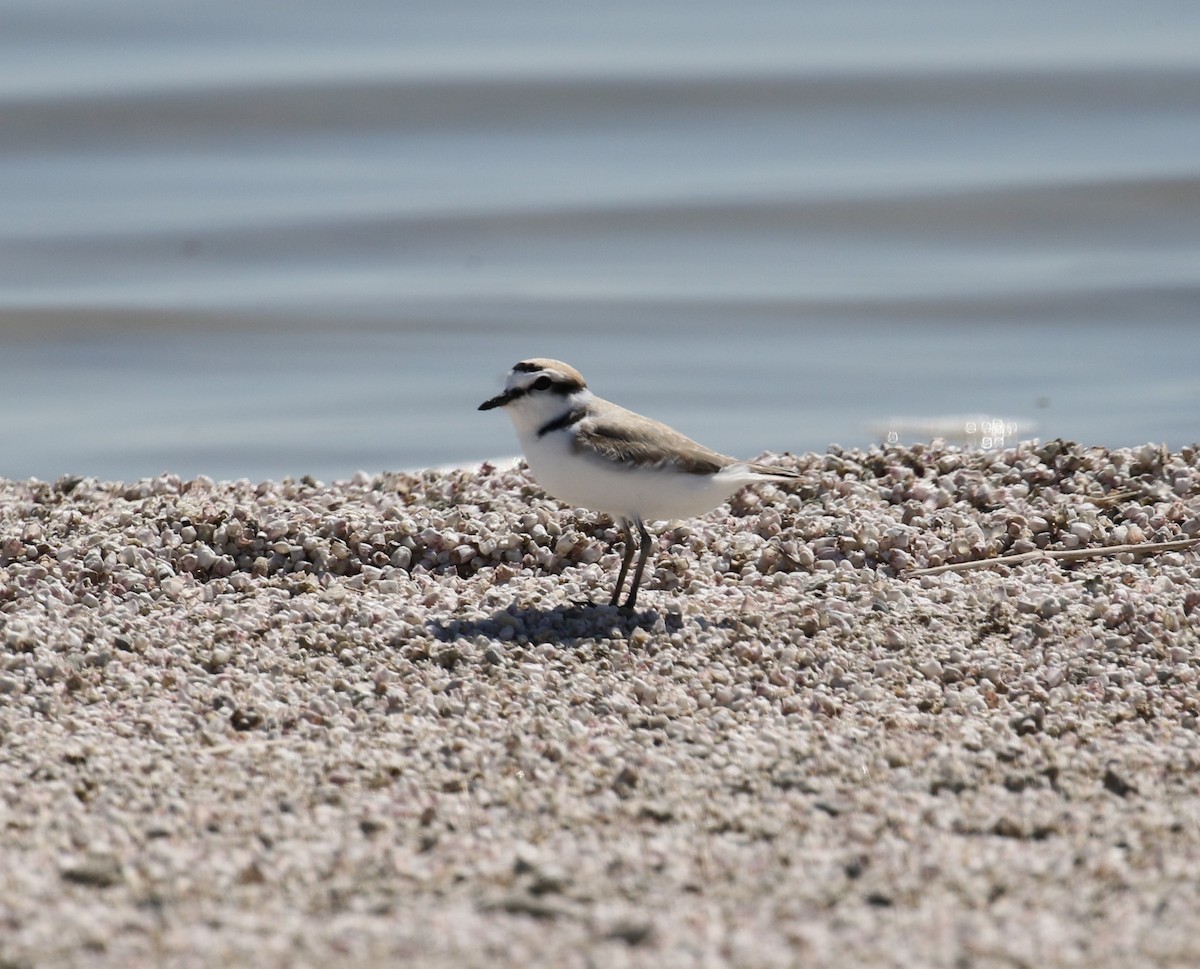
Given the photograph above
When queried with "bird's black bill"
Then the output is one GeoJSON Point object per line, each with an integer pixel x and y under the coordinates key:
{"type": "Point", "coordinates": [499, 400]}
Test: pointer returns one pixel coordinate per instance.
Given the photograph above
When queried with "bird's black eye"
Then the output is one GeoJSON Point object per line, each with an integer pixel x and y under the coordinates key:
{"type": "Point", "coordinates": [542, 383]}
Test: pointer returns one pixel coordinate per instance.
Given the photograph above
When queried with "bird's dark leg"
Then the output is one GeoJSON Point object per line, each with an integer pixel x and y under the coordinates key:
{"type": "Point", "coordinates": [641, 566]}
{"type": "Point", "coordinates": [628, 532]}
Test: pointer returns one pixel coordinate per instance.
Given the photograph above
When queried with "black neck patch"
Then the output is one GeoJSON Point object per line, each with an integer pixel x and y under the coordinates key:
{"type": "Point", "coordinates": [565, 420]}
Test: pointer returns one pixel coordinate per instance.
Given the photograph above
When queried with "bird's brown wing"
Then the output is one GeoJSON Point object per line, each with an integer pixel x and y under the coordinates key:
{"type": "Point", "coordinates": [641, 442]}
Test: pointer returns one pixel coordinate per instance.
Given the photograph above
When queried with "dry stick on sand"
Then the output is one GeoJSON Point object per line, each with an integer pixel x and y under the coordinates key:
{"type": "Point", "coordinates": [1064, 554]}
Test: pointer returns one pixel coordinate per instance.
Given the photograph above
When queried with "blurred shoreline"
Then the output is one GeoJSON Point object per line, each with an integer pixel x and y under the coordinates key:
{"type": "Point", "coordinates": [241, 244]}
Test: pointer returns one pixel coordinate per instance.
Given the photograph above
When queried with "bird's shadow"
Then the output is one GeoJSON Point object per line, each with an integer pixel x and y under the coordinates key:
{"type": "Point", "coordinates": [566, 624]}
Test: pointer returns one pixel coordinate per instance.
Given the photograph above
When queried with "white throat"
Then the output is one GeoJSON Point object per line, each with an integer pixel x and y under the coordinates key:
{"type": "Point", "coordinates": [534, 412]}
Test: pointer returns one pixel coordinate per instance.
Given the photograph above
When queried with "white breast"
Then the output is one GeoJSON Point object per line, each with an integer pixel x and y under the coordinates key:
{"type": "Point", "coordinates": [652, 494]}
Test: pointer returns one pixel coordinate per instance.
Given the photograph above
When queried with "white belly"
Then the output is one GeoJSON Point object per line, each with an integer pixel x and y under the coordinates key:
{"type": "Point", "coordinates": [651, 494]}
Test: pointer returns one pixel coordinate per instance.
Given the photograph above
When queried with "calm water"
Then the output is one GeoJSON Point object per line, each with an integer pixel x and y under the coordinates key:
{"type": "Point", "coordinates": [252, 239]}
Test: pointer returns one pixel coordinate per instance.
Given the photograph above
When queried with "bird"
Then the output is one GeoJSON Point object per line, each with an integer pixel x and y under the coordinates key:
{"type": "Point", "coordinates": [591, 453]}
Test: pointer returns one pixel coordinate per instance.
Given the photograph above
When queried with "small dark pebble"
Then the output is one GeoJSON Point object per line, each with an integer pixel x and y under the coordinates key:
{"type": "Point", "coordinates": [1115, 783]}
{"type": "Point", "coordinates": [97, 871]}
{"type": "Point", "coordinates": [631, 931]}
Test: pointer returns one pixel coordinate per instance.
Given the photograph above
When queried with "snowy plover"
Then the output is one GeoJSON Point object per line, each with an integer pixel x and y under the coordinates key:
{"type": "Point", "coordinates": [591, 453]}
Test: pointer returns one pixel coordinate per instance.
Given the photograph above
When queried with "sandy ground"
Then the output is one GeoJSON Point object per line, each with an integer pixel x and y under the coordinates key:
{"type": "Point", "coordinates": [373, 724]}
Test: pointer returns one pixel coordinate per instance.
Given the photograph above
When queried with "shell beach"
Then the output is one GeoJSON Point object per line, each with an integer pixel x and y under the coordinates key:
{"type": "Point", "coordinates": [927, 707]}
